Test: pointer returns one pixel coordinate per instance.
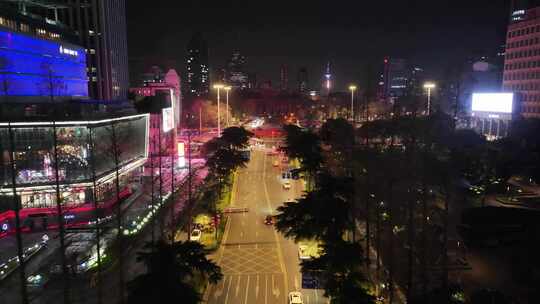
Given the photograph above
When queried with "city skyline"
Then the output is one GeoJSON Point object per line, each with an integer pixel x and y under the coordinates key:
{"type": "Point", "coordinates": [350, 35]}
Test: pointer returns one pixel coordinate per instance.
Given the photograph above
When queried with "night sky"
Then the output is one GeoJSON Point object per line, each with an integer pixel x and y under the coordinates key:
{"type": "Point", "coordinates": [270, 33]}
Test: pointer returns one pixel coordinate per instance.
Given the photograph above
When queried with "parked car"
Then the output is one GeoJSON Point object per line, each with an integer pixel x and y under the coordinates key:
{"type": "Point", "coordinates": [295, 297]}
{"type": "Point", "coordinates": [269, 220]}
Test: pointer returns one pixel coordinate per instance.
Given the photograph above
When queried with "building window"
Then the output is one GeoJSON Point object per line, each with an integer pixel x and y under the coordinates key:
{"type": "Point", "coordinates": [23, 27]}
{"type": "Point", "coordinates": [8, 23]}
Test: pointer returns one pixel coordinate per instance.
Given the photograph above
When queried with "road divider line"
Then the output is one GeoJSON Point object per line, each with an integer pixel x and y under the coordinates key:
{"type": "Point", "coordinates": [237, 287]}
{"type": "Point", "coordinates": [265, 289]}
{"type": "Point", "coordinates": [280, 254]}
{"type": "Point", "coordinates": [228, 290]}
{"type": "Point", "coordinates": [257, 288]}
{"type": "Point", "coordinates": [247, 291]}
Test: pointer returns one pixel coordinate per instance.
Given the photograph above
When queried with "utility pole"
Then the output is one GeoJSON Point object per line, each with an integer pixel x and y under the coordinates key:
{"type": "Point", "coordinates": [173, 226]}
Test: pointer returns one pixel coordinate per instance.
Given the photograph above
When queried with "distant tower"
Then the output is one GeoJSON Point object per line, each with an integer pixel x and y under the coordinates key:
{"type": "Point", "coordinates": [327, 79]}
{"type": "Point", "coordinates": [284, 78]}
{"type": "Point", "coordinates": [197, 66]}
{"type": "Point", "coordinates": [302, 80]}
{"type": "Point", "coordinates": [236, 76]}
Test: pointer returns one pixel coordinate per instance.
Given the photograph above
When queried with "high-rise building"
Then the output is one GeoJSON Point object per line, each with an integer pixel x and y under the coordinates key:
{"type": "Point", "coordinates": [252, 80]}
{"type": "Point", "coordinates": [101, 27]}
{"type": "Point", "coordinates": [284, 77]}
{"type": "Point", "coordinates": [302, 80]}
{"type": "Point", "coordinates": [236, 75]}
{"type": "Point", "coordinates": [522, 62]}
{"type": "Point", "coordinates": [197, 66]}
{"type": "Point", "coordinates": [518, 9]}
{"type": "Point", "coordinates": [395, 77]}
{"type": "Point", "coordinates": [327, 79]}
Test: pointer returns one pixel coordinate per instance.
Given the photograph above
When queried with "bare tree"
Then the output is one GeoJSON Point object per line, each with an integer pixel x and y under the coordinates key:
{"type": "Point", "coordinates": [116, 153]}
{"type": "Point", "coordinates": [17, 208]}
{"type": "Point", "coordinates": [96, 214]}
{"type": "Point", "coordinates": [53, 85]}
{"type": "Point", "coordinates": [60, 217]}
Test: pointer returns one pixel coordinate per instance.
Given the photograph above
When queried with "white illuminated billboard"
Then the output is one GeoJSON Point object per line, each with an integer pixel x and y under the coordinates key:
{"type": "Point", "coordinates": [168, 119]}
{"type": "Point", "coordinates": [492, 102]}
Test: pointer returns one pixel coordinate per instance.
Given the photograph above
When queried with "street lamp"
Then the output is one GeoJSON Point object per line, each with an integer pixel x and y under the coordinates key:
{"type": "Point", "coordinates": [428, 86]}
{"type": "Point", "coordinates": [227, 89]}
{"type": "Point", "coordinates": [352, 88]}
{"type": "Point", "coordinates": [218, 87]}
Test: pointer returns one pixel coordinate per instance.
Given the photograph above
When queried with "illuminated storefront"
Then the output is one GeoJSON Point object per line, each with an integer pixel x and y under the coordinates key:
{"type": "Point", "coordinates": [86, 153]}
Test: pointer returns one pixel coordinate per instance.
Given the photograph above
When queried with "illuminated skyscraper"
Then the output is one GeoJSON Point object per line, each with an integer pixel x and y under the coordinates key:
{"type": "Point", "coordinates": [236, 75]}
{"type": "Point", "coordinates": [327, 81]}
{"type": "Point", "coordinates": [197, 66]}
{"type": "Point", "coordinates": [522, 60]}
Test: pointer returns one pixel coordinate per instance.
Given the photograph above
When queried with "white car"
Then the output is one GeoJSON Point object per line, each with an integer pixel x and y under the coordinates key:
{"type": "Point", "coordinates": [286, 185]}
{"type": "Point", "coordinates": [195, 235]}
{"type": "Point", "coordinates": [295, 297]}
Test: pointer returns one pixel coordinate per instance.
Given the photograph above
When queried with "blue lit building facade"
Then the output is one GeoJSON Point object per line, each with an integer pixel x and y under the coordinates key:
{"type": "Point", "coordinates": [40, 69]}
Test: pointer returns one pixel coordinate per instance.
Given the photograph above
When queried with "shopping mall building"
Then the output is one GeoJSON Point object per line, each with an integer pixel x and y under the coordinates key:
{"type": "Point", "coordinates": [87, 156]}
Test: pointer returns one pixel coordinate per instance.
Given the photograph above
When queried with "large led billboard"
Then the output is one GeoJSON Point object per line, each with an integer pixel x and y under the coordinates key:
{"type": "Point", "coordinates": [493, 102]}
{"type": "Point", "coordinates": [30, 66]}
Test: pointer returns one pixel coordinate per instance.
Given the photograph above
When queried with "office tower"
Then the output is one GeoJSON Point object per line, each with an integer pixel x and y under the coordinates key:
{"type": "Point", "coordinates": [522, 61]}
{"type": "Point", "coordinates": [302, 80]}
{"type": "Point", "coordinates": [236, 75]}
{"type": "Point", "coordinates": [395, 77]}
{"type": "Point", "coordinates": [197, 66]}
{"type": "Point", "coordinates": [101, 27]}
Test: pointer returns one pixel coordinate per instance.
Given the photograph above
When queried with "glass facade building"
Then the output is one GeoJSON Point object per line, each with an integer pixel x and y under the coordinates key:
{"type": "Point", "coordinates": [86, 151]}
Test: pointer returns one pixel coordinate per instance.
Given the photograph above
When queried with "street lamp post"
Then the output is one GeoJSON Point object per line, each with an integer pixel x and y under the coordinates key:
{"type": "Point", "coordinates": [227, 89]}
{"type": "Point", "coordinates": [428, 86]}
{"type": "Point", "coordinates": [218, 87]}
{"type": "Point", "coordinates": [352, 88]}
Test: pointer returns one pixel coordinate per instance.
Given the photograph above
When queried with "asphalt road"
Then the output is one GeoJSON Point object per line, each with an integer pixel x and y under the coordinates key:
{"type": "Point", "coordinates": [259, 265]}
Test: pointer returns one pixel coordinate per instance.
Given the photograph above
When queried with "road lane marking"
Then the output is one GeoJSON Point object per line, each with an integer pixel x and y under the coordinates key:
{"type": "Point", "coordinates": [307, 298]}
{"type": "Point", "coordinates": [265, 289]}
{"type": "Point", "coordinates": [237, 287]}
{"type": "Point", "coordinates": [257, 288]}
{"type": "Point", "coordinates": [280, 255]}
{"type": "Point", "coordinates": [296, 282]}
{"type": "Point", "coordinates": [247, 290]}
{"type": "Point", "coordinates": [228, 290]}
